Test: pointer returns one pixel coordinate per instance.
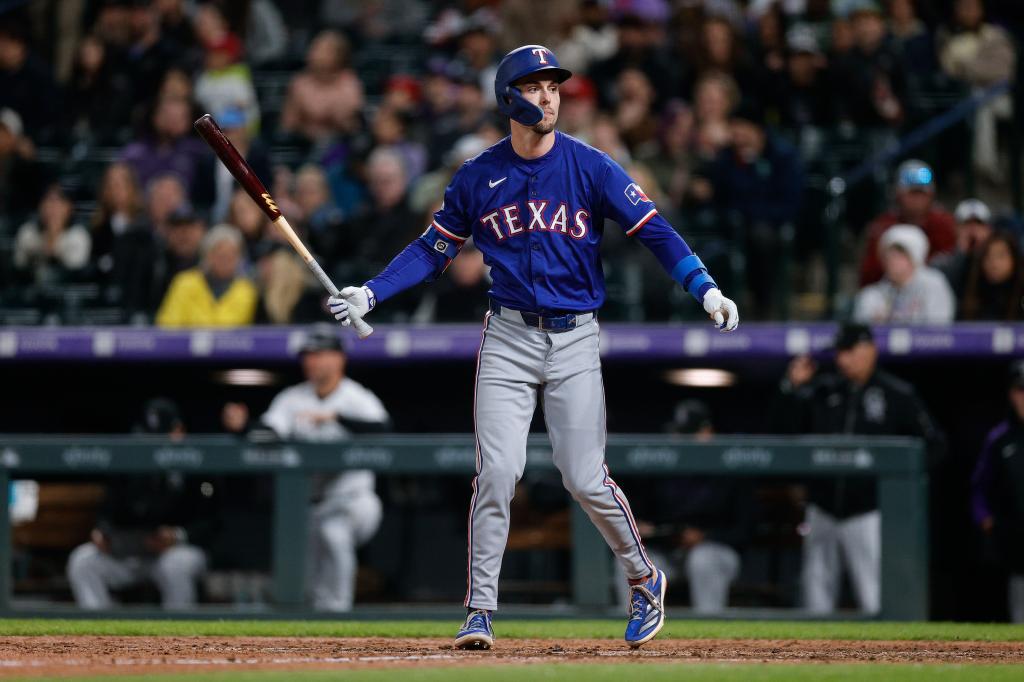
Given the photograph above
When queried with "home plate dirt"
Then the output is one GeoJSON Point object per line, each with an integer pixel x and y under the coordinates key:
{"type": "Point", "coordinates": [57, 656]}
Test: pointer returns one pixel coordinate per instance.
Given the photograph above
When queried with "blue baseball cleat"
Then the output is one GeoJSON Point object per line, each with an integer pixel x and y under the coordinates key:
{"type": "Point", "coordinates": [476, 632]}
{"type": "Point", "coordinates": [647, 612]}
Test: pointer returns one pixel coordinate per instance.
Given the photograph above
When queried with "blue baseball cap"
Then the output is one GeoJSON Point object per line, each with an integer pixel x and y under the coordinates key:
{"type": "Point", "coordinates": [915, 174]}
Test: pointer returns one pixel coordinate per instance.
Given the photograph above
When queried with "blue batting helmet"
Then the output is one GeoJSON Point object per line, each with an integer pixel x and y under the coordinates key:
{"type": "Point", "coordinates": [520, 62]}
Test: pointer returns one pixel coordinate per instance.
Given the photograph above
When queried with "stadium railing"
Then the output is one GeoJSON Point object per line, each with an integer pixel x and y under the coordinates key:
{"type": "Point", "coordinates": [898, 464]}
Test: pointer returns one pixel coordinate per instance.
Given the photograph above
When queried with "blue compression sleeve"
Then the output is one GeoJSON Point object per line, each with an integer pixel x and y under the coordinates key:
{"type": "Point", "coordinates": [676, 257]}
{"type": "Point", "coordinates": [414, 264]}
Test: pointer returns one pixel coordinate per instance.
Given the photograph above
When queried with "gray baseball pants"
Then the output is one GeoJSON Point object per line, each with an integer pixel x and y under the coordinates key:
{"type": "Point", "coordinates": [517, 363]}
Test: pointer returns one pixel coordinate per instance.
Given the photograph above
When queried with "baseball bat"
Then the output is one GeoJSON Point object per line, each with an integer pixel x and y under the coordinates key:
{"type": "Point", "coordinates": [233, 161]}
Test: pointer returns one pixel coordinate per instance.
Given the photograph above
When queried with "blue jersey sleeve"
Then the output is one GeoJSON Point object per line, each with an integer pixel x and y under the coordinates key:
{"type": "Point", "coordinates": [627, 204]}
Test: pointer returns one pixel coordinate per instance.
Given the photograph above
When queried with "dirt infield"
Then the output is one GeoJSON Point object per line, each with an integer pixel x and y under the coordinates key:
{"type": "Point", "coordinates": [83, 655]}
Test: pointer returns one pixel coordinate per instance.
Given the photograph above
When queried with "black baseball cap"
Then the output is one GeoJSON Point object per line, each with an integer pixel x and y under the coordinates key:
{"type": "Point", "coordinates": [690, 416]}
{"type": "Point", "coordinates": [322, 336]}
{"type": "Point", "coordinates": [850, 334]}
{"type": "Point", "coordinates": [160, 415]}
{"type": "Point", "coordinates": [1016, 374]}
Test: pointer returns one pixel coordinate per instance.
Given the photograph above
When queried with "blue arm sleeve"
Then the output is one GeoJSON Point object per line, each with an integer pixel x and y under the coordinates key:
{"type": "Point", "coordinates": [675, 256]}
{"type": "Point", "coordinates": [416, 263]}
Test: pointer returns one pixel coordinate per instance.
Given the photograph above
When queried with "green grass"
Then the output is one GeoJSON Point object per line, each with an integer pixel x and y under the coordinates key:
{"type": "Point", "coordinates": [555, 629]}
{"type": "Point", "coordinates": [616, 673]}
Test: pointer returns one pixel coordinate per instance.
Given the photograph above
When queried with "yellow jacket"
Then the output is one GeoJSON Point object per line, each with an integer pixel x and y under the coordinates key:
{"type": "Point", "coordinates": [190, 303]}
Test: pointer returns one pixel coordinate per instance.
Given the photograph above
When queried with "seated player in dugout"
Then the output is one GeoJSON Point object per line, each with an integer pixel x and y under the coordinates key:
{"type": "Point", "coordinates": [150, 529]}
{"type": "Point", "coordinates": [535, 204]}
{"type": "Point", "coordinates": [328, 407]}
{"type": "Point", "coordinates": [697, 526]}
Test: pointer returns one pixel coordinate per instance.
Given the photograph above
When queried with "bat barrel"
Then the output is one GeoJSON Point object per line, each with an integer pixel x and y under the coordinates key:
{"type": "Point", "coordinates": [233, 161]}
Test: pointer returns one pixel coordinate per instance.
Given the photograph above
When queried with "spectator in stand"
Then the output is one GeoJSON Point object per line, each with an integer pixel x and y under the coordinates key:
{"type": "Point", "coordinates": [461, 294]}
{"type": "Point", "coordinates": [390, 129]}
{"type": "Point", "coordinates": [590, 37]}
{"type": "Point", "coordinates": [26, 82]}
{"type": "Point", "coordinates": [169, 146]}
{"type": "Point", "coordinates": [165, 194]}
{"type": "Point", "coordinates": [119, 211]}
{"type": "Point", "coordinates": [325, 99]}
{"type": "Point", "coordinates": [101, 98]}
{"type": "Point", "coordinates": [215, 294]}
{"type": "Point", "coordinates": [389, 223]}
{"type": "Point", "coordinates": [283, 282]}
{"type": "Point", "coordinates": [997, 491]}
{"type": "Point", "coordinates": [477, 50]}
{"type": "Point", "coordinates": [910, 292]}
{"type": "Point", "coordinates": [604, 135]}
{"type": "Point", "coordinates": [915, 205]}
{"type": "Point", "coordinates": [873, 90]}
{"type": "Point", "coordinates": [715, 96]}
{"type": "Point", "coordinates": [980, 54]}
{"type": "Point", "coordinates": [322, 221]}
{"type": "Point", "coordinates": [250, 220]}
{"type": "Point", "coordinates": [674, 162]}
{"type": "Point", "coordinates": [722, 52]}
{"type": "Point", "coordinates": [22, 179]}
{"type": "Point", "coordinates": [640, 28]}
{"type": "Point", "coordinates": [578, 107]}
{"type": "Point", "coordinates": [912, 40]}
{"type": "Point", "coordinates": [842, 512]}
{"type": "Point", "coordinates": [149, 529]}
{"type": "Point", "coordinates": [179, 253]}
{"type": "Point", "coordinates": [216, 185]}
{"type": "Point", "coordinates": [757, 180]}
{"type": "Point", "coordinates": [226, 81]}
{"type": "Point", "coordinates": [175, 22]}
{"type": "Point", "coordinates": [266, 33]}
{"type": "Point", "coordinates": [805, 97]}
{"type": "Point", "coordinates": [52, 249]}
{"type": "Point", "coordinates": [994, 289]}
{"type": "Point", "coordinates": [634, 111]}
{"type": "Point", "coordinates": [973, 228]}
{"type": "Point", "coordinates": [149, 54]}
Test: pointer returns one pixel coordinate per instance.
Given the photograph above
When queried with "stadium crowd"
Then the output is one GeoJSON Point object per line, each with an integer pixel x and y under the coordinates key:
{"type": "Point", "coordinates": [732, 115]}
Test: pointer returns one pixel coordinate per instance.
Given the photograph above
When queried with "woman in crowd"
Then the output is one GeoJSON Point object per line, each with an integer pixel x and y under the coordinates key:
{"type": "Point", "coordinates": [995, 281]}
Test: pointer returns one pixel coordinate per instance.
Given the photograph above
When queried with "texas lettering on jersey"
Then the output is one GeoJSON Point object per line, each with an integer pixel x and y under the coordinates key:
{"type": "Point", "coordinates": [509, 221]}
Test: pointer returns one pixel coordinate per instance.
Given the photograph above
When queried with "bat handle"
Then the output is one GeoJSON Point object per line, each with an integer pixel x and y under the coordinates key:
{"type": "Point", "coordinates": [362, 328]}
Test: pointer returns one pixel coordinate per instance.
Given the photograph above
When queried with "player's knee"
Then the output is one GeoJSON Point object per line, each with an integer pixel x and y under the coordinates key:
{"type": "Point", "coordinates": [499, 479]}
{"type": "Point", "coordinates": [181, 561]}
{"type": "Point", "coordinates": [336, 531]}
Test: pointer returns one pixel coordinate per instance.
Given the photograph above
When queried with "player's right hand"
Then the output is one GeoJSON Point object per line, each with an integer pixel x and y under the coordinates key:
{"type": "Point", "coordinates": [722, 310]}
{"type": "Point", "coordinates": [350, 302]}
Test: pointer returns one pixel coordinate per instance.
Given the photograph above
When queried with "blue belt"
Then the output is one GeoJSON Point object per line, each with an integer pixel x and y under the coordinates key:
{"type": "Point", "coordinates": [556, 323]}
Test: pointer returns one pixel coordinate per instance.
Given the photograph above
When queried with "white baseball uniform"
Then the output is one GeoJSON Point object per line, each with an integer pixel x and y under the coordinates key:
{"type": "Point", "coordinates": [348, 512]}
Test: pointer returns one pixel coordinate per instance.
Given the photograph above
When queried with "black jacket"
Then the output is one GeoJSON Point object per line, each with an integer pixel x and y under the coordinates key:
{"type": "Point", "coordinates": [830, 404]}
{"type": "Point", "coordinates": [997, 490]}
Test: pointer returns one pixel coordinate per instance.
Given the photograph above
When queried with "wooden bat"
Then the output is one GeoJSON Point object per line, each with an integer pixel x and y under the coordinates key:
{"type": "Point", "coordinates": [233, 161]}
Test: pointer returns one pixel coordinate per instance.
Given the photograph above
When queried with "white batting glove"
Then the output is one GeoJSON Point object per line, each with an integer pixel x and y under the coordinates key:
{"type": "Point", "coordinates": [351, 302]}
{"type": "Point", "coordinates": [722, 310]}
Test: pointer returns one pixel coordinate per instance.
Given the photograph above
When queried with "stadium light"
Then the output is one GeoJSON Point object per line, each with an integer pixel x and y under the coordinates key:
{"type": "Point", "coordinates": [704, 377]}
{"type": "Point", "coordinates": [247, 377]}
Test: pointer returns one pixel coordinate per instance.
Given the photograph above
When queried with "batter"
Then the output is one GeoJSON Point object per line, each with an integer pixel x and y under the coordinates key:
{"type": "Point", "coordinates": [535, 204]}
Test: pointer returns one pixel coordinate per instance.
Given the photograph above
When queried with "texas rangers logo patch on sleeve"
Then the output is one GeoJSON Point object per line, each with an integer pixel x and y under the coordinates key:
{"type": "Point", "coordinates": [635, 194]}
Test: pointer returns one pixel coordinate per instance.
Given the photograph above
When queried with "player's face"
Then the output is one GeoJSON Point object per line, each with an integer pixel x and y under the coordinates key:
{"type": "Point", "coordinates": [323, 367]}
{"type": "Point", "coordinates": [1017, 400]}
{"type": "Point", "coordinates": [543, 93]}
{"type": "Point", "coordinates": [858, 363]}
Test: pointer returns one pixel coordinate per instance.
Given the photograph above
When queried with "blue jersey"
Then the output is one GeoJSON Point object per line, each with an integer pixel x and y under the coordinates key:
{"type": "Point", "coordinates": [539, 223]}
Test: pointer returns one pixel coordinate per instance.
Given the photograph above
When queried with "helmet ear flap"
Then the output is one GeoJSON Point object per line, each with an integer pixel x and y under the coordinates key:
{"type": "Point", "coordinates": [519, 109]}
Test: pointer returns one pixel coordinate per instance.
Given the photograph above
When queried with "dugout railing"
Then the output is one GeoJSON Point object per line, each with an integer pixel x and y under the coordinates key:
{"type": "Point", "coordinates": [898, 464]}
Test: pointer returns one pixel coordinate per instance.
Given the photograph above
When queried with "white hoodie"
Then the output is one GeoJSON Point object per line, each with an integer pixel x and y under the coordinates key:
{"type": "Point", "coordinates": [926, 299]}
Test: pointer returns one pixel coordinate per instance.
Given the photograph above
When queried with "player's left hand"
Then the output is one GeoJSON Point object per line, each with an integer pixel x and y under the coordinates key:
{"type": "Point", "coordinates": [722, 310]}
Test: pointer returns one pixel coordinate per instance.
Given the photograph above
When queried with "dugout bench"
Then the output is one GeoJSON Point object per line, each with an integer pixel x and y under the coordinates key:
{"type": "Point", "coordinates": [898, 464]}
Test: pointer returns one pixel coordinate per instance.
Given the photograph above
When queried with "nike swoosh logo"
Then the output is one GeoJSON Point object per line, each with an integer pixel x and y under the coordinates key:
{"type": "Point", "coordinates": [494, 183]}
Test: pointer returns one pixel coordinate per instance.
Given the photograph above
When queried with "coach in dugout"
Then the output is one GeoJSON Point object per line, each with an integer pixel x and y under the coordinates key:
{"type": "Point", "coordinates": [328, 407]}
{"type": "Point", "coordinates": [842, 512]}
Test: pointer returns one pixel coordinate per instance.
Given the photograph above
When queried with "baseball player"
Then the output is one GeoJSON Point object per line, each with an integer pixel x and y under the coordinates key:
{"type": "Point", "coordinates": [326, 408]}
{"type": "Point", "coordinates": [535, 204]}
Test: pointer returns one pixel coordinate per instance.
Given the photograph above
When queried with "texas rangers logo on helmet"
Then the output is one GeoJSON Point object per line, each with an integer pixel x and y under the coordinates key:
{"type": "Point", "coordinates": [541, 52]}
{"type": "Point", "coordinates": [635, 194]}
